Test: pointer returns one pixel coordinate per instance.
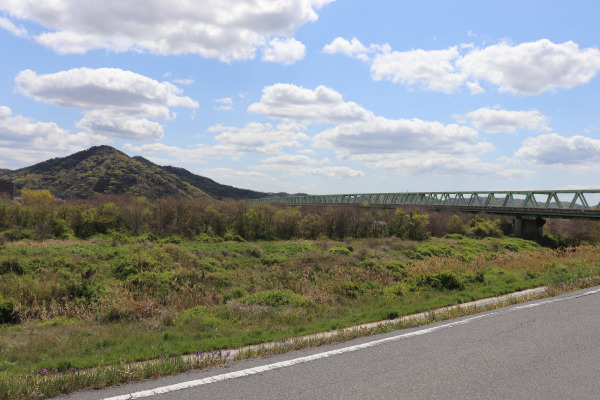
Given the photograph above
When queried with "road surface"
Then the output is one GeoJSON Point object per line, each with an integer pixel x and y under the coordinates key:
{"type": "Point", "coordinates": [544, 349]}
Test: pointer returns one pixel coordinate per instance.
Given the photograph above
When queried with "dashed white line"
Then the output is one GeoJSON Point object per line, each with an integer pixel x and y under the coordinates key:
{"type": "Point", "coordinates": [301, 360]}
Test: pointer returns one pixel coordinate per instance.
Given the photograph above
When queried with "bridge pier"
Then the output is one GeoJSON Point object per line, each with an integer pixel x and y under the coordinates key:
{"type": "Point", "coordinates": [528, 228]}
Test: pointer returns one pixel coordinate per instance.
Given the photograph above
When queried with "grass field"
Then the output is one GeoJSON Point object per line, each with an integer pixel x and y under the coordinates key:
{"type": "Point", "coordinates": [72, 305]}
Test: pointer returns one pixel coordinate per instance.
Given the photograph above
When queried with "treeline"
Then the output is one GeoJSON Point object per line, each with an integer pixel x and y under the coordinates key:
{"type": "Point", "coordinates": [39, 215]}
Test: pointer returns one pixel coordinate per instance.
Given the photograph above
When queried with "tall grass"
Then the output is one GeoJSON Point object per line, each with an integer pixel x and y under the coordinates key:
{"type": "Point", "coordinates": [83, 307]}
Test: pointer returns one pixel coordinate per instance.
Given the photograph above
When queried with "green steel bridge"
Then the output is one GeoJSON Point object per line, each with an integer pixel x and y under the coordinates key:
{"type": "Point", "coordinates": [529, 203]}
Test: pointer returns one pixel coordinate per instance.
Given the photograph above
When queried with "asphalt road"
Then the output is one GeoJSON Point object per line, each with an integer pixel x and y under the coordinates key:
{"type": "Point", "coordinates": [545, 349]}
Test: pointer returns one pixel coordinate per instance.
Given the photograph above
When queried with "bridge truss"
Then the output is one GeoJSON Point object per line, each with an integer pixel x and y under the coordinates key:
{"type": "Point", "coordinates": [538, 203]}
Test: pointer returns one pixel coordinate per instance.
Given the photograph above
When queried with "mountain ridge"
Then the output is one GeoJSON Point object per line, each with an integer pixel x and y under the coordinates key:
{"type": "Point", "coordinates": [106, 170]}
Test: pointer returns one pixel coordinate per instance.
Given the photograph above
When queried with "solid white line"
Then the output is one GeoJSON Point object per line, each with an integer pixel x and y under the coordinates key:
{"type": "Point", "coordinates": [301, 360]}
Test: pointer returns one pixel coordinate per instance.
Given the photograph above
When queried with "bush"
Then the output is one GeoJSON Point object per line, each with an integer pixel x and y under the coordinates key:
{"type": "Point", "coordinates": [442, 280]}
{"type": "Point", "coordinates": [351, 289]}
{"type": "Point", "coordinates": [391, 293]}
{"type": "Point", "coordinates": [480, 227]}
{"type": "Point", "coordinates": [175, 239]}
{"type": "Point", "coordinates": [8, 265]}
{"type": "Point", "coordinates": [273, 259]}
{"type": "Point", "coordinates": [7, 311]}
{"type": "Point", "coordinates": [455, 225]}
{"type": "Point", "coordinates": [340, 250]}
{"type": "Point", "coordinates": [396, 267]}
{"type": "Point", "coordinates": [253, 251]}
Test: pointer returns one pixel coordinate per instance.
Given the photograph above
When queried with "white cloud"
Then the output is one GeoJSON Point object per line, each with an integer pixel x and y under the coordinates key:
{"type": "Point", "coordinates": [188, 81]}
{"type": "Point", "coordinates": [284, 51]}
{"type": "Point", "coordinates": [8, 25]}
{"type": "Point", "coordinates": [256, 137]}
{"type": "Point", "coordinates": [353, 48]}
{"type": "Point", "coordinates": [296, 164]}
{"type": "Point", "coordinates": [527, 68]}
{"type": "Point", "coordinates": [225, 104]}
{"type": "Point", "coordinates": [228, 173]}
{"type": "Point", "coordinates": [432, 69]}
{"type": "Point", "coordinates": [175, 154]}
{"type": "Point", "coordinates": [287, 101]}
{"type": "Point", "coordinates": [555, 150]}
{"type": "Point", "coordinates": [533, 67]}
{"type": "Point", "coordinates": [294, 160]}
{"type": "Point", "coordinates": [224, 29]}
{"type": "Point", "coordinates": [380, 135]}
{"type": "Point", "coordinates": [5, 111]}
{"type": "Point", "coordinates": [111, 123]}
{"type": "Point", "coordinates": [24, 141]}
{"type": "Point", "coordinates": [432, 164]}
{"type": "Point", "coordinates": [113, 98]}
{"type": "Point", "coordinates": [337, 172]}
{"type": "Point", "coordinates": [503, 121]}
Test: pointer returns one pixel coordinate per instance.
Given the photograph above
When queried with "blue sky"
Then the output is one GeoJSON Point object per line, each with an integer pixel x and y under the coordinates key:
{"type": "Point", "coordinates": [318, 96]}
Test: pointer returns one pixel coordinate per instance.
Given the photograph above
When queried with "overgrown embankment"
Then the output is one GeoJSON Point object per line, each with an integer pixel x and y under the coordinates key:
{"type": "Point", "coordinates": [79, 304]}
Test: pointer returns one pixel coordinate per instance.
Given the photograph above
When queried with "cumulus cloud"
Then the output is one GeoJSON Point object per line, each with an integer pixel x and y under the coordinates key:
{"type": "Point", "coordinates": [294, 163]}
{"type": "Point", "coordinates": [169, 154]}
{"type": "Point", "coordinates": [337, 172]}
{"type": "Point", "coordinates": [495, 120]}
{"type": "Point", "coordinates": [380, 135]}
{"type": "Point", "coordinates": [352, 48]}
{"type": "Point", "coordinates": [24, 140]}
{"type": "Point", "coordinates": [257, 137]}
{"type": "Point", "coordinates": [284, 51]}
{"type": "Point", "coordinates": [228, 173]}
{"type": "Point", "coordinates": [527, 68]}
{"type": "Point", "coordinates": [112, 123]}
{"type": "Point", "coordinates": [225, 104]}
{"type": "Point", "coordinates": [560, 151]}
{"type": "Point", "coordinates": [115, 101]}
{"type": "Point", "coordinates": [435, 164]}
{"type": "Point", "coordinates": [287, 101]}
{"type": "Point", "coordinates": [533, 67]}
{"type": "Point", "coordinates": [223, 29]}
{"type": "Point", "coordinates": [432, 69]}
{"type": "Point", "coordinates": [8, 25]}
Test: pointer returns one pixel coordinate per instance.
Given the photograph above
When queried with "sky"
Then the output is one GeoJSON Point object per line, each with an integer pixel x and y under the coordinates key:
{"type": "Point", "coordinates": [314, 96]}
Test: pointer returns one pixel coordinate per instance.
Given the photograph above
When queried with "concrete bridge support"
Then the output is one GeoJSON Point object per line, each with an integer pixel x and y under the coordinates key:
{"type": "Point", "coordinates": [529, 228]}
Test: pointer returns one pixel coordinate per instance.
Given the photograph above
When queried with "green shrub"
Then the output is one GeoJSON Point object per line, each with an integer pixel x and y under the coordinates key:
{"type": "Point", "coordinates": [10, 264]}
{"type": "Point", "coordinates": [176, 239]}
{"type": "Point", "coordinates": [236, 293]}
{"type": "Point", "coordinates": [340, 250]}
{"type": "Point", "coordinates": [273, 259]}
{"type": "Point", "coordinates": [238, 238]}
{"type": "Point", "coordinates": [455, 226]}
{"type": "Point", "coordinates": [253, 251]}
{"type": "Point", "coordinates": [480, 227]}
{"type": "Point", "coordinates": [276, 298]}
{"type": "Point", "coordinates": [455, 236]}
{"type": "Point", "coordinates": [351, 289]}
{"type": "Point", "coordinates": [8, 314]}
{"type": "Point", "coordinates": [397, 268]}
{"type": "Point", "coordinates": [369, 263]}
{"type": "Point", "coordinates": [442, 280]}
{"type": "Point", "coordinates": [391, 293]}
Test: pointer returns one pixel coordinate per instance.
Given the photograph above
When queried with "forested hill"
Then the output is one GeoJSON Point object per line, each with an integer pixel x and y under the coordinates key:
{"type": "Point", "coordinates": [106, 170]}
{"type": "Point", "coordinates": [212, 188]}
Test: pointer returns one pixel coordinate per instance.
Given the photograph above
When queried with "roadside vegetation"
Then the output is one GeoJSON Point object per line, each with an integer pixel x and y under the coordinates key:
{"type": "Point", "coordinates": [96, 286]}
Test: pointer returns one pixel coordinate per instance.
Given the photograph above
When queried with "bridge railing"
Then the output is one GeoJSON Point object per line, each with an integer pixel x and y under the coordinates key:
{"type": "Point", "coordinates": [547, 201]}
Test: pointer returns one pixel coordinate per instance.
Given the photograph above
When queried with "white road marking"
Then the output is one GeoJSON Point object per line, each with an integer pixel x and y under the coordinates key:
{"type": "Point", "coordinates": [301, 360]}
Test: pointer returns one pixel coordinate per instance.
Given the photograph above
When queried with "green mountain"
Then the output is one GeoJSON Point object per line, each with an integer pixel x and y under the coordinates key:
{"type": "Point", "coordinates": [106, 170]}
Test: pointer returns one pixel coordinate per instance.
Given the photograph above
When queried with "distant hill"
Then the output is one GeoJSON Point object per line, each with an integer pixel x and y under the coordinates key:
{"type": "Point", "coordinates": [106, 170]}
{"type": "Point", "coordinates": [212, 188]}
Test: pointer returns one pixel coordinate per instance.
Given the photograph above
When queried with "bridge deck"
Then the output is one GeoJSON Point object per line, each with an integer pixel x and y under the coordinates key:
{"type": "Point", "coordinates": [538, 203]}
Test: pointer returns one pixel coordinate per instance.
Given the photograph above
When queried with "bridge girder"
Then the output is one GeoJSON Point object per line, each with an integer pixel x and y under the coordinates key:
{"type": "Point", "coordinates": [542, 203]}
